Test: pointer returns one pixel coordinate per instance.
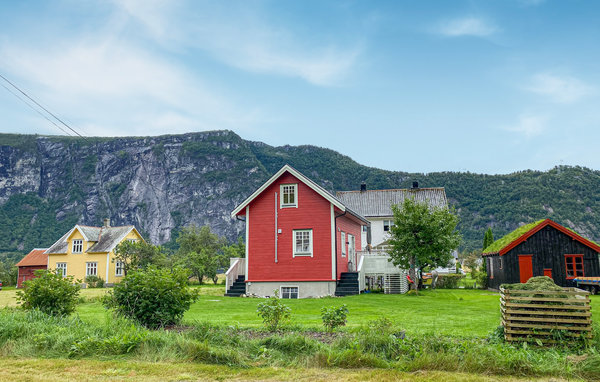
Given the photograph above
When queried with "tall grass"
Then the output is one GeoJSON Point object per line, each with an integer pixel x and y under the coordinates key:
{"type": "Point", "coordinates": [377, 344]}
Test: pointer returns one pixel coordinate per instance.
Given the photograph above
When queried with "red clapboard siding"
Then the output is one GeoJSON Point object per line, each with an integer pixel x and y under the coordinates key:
{"type": "Point", "coordinates": [313, 212]}
{"type": "Point", "coordinates": [27, 273]}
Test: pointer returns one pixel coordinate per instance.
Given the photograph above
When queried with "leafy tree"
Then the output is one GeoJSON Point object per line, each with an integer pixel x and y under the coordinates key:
{"type": "Point", "coordinates": [422, 236]}
{"type": "Point", "coordinates": [200, 251]}
{"type": "Point", "coordinates": [235, 250]}
{"type": "Point", "coordinates": [155, 297]}
{"type": "Point", "coordinates": [138, 255]}
{"type": "Point", "coordinates": [50, 293]}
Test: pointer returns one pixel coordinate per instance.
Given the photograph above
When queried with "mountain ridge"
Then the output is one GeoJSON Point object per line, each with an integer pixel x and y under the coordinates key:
{"type": "Point", "coordinates": [162, 183]}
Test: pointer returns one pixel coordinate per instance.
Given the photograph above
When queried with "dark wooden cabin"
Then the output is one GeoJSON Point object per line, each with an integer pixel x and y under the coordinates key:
{"type": "Point", "coordinates": [543, 248]}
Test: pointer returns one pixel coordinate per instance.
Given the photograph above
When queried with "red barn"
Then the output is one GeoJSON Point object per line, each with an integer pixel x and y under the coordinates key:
{"type": "Point", "coordinates": [34, 260]}
{"type": "Point", "coordinates": [300, 240]}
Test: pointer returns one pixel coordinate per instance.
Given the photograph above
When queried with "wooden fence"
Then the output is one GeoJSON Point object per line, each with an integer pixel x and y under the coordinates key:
{"type": "Point", "coordinates": [545, 316]}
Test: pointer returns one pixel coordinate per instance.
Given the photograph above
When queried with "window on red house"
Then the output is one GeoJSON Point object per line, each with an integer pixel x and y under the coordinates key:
{"type": "Point", "coordinates": [574, 266]}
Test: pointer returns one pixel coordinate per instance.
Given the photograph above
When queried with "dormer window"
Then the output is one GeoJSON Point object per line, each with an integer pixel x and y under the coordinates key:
{"type": "Point", "coordinates": [77, 246]}
{"type": "Point", "coordinates": [289, 195]}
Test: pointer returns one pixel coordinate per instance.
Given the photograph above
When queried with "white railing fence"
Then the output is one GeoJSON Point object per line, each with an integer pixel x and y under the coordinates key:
{"type": "Point", "coordinates": [236, 268]}
{"type": "Point", "coordinates": [361, 272]}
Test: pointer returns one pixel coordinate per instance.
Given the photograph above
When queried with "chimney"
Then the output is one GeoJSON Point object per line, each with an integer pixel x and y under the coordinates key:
{"type": "Point", "coordinates": [363, 187]}
{"type": "Point", "coordinates": [106, 222]}
{"type": "Point", "coordinates": [415, 184]}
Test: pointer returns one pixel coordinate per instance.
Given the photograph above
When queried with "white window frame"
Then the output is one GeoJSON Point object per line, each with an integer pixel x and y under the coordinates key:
{"type": "Point", "coordinates": [281, 195]}
{"type": "Point", "coordinates": [88, 267]}
{"type": "Point", "coordinates": [310, 243]}
{"type": "Point", "coordinates": [491, 267]}
{"type": "Point", "coordinates": [63, 267]}
{"type": "Point", "coordinates": [132, 240]}
{"type": "Point", "coordinates": [77, 244]}
{"type": "Point", "coordinates": [343, 244]}
{"type": "Point", "coordinates": [119, 266]}
{"type": "Point", "coordinates": [389, 225]}
{"type": "Point", "coordinates": [290, 287]}
{"type": "Point", "coordinates": [351, 245]}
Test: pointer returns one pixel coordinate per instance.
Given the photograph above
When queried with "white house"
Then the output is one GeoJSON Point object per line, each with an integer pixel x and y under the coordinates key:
{"type": "Point", "coordinates": [374, 267]}
{"type": "Point", "coordinates": [376, 206]}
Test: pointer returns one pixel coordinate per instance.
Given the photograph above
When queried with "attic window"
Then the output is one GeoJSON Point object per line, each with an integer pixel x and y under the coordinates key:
{"type": "Point", "coordinates": [289, 194]}
{"type": "Point", "coordinates": [77, 246]}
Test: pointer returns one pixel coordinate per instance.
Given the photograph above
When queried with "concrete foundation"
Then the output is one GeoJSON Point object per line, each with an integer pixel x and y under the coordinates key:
{"type": "Point", "coordinates": [306, 289]}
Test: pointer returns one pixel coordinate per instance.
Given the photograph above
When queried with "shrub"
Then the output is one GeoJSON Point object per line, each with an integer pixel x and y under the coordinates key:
{"type": "Point", "coordinates": [94, 281]}
{"type": "Point", "coordinates": [50, 293]}
{"type": "Point", "coordinates": [448, 281]}
{"type": "Point", "coordinates": [153, 297]}
{"type": "Point", "coordinates": [334, 317]}
{"type": "Point", "coordinates": [273, 312]}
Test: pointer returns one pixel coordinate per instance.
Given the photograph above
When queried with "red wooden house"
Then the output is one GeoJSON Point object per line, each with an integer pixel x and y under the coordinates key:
{"type": "Point", "coordinates": [300, 240]}
{"type": "Point", "coordinates": [34, 260]}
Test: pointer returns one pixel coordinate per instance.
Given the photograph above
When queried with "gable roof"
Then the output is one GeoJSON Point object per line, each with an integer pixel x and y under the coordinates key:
{"type": "Point", "coordinates": [314, 186]}
{"type": "Point", "coordinates": [516, 237]}
{"type": "Point", "coordinates": [104, 239]}
{"type": "Point", "coordinates": [35, 257]}
{"type": "Point", "coordinates": [378, 203]}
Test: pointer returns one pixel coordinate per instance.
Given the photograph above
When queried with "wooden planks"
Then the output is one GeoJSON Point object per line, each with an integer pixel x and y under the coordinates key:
{"type": "Point", "coordinates": [545, 316]}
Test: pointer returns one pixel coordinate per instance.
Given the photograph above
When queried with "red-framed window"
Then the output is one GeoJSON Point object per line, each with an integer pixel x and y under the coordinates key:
{"type": "Point", "coordinates": [574, 266]}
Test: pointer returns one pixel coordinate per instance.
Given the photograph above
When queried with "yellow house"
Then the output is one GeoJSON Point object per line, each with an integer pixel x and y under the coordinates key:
{"type": "Point", "coordinates": [86, 251]}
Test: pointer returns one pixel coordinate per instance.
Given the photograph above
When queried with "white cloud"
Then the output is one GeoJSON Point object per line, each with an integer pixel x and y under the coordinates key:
{"type": "Point", "coordinates": [468, 26]}
{"type": "Point", "coordinates": [529, 125]}
{"type": "Point", "coordinates": [244, 39]}
{"type": "Point", "coordinates": [113, 88]}
{"type": "Point", "coordinates": [560, 89]}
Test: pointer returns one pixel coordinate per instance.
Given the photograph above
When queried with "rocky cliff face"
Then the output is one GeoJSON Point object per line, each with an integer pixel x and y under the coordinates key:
{"type": "Point", "coordinates": [160, 184]}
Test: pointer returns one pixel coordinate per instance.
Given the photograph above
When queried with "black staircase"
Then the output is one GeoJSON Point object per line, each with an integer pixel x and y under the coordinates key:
{"type": "Point", "coordinates": [348, 284]}
{"type": "Point", "coordinates": [238, 288]}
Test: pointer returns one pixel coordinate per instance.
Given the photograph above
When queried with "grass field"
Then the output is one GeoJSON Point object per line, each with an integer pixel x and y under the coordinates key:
{"type": "Point", "coordinates": [60, 370]}
{"type": "Point", "coordinates": [446, 339]}
{"type": "Point", "coordinates": [457, 312]}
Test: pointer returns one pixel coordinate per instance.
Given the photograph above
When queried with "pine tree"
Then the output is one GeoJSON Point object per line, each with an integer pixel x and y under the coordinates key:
{"type": "Point", "coordinates": [488, 238]}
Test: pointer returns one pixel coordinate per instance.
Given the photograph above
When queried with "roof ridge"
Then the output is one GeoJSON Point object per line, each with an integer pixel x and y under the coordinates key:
{"type": "Point", "coordinates": [398, 189]}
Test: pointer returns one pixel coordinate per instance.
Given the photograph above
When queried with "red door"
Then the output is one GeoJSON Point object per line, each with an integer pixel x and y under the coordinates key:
{"type": "Point", "coordinates": [525, 267]}
{"type": "Point", "coordinates": [548, 272]}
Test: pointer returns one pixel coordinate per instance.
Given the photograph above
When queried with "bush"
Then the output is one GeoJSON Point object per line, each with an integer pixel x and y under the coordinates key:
{"type": "Point", "coordinates": [94, 282]}
{"type": "Point", "coordinates": [50, 293]}
{"type": "Point", "coordinates": [448, 281]}
{"type": "Point", "coordinates": [273, 312]}
{"type": "Point", "coordinates": [153, 297]}
{"type": "Point", "coordinates": [334, 317]}
{"type": "Point", "coordinates": [481, 277]}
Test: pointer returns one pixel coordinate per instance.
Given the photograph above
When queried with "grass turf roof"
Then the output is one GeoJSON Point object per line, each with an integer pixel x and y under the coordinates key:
{"type": "Point", "coordinates": [497, 245]}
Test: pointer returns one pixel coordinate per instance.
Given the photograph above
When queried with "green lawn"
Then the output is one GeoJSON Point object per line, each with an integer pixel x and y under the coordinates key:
{"type": "Point", "coordinates": [456, 312]}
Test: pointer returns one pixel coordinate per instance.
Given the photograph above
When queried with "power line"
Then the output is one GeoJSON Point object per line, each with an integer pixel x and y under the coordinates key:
{"type": "Point", "coordinates": [43, 108]}
{"type": "Point", "coordinates": [37, 111]}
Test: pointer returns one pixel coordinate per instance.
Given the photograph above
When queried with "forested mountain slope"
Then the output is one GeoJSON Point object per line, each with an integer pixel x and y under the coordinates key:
{"type": "Point", "coordinates": [160, 184]}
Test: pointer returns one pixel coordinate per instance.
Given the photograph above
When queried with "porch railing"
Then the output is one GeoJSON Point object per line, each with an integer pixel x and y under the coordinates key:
{"type": "Point", "coordinates": [361, 272]}
{"type": "Point", "coordinates": [236, 269]}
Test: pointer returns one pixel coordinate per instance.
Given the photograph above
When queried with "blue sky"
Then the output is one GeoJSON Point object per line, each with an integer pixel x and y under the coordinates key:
{"type": "Point", "coordinates": [420, 86]}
